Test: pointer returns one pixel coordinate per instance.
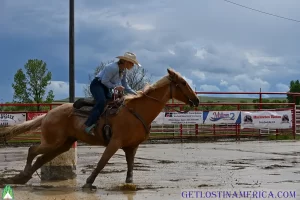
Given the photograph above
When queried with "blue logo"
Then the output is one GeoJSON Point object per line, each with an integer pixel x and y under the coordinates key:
{"type": "Point", "coordinates": [220, 115]}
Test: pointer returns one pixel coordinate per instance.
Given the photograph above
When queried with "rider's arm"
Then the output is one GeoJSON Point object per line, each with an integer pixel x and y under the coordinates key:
{"type": "Point", "coordinates": [108, 74]}
{"type": "Point", "coordinates": [125, 84]}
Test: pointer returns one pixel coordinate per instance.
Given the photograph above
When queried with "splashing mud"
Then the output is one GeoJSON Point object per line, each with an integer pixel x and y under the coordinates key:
{"type": "Point", "coordinates": [162, 170]}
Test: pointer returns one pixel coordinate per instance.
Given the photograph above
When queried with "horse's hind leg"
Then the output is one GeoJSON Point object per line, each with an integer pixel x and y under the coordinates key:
{"type": "Point", "coordinates": [40, 161]}
{"type": "Point", "coordinates": [130, 153]}
{"type": "Point", "coordinates": [48, 154]}
{"type": "Point", "coordinates": [24, 176]}
{"type": "Point", "coordinates": [30, 156]}
{"type": "Point", "coordinates": [110, 150]}
{"type": "Point", "coordinates": [34, 151]}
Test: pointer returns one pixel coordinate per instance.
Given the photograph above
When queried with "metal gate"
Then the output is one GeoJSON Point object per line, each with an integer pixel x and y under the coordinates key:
{"type": "Point", "coordinates": [297, 119]}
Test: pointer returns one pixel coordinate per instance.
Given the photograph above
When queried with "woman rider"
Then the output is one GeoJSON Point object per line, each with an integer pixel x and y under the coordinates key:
{"type": "Point", "coordinates": [113, 76]}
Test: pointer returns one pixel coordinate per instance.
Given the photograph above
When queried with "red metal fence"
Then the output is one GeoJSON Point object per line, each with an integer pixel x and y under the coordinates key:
{"type": "Point", "coordinates": [190, 130]}
{"type": "Point", "coordinates": [225, 130]}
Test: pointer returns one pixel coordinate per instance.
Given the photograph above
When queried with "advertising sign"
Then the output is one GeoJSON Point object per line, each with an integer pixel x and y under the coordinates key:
{"type": "Point", "coordinates": [222, 117]}
{"type": "Point", "coordinates": [267, 119]}
{"type": "Point", "coordinates": [8, 119]}
{"type": "Point", "coordinates": [32, 115]}
{"type": "Point", "coordinates": [192, 117]}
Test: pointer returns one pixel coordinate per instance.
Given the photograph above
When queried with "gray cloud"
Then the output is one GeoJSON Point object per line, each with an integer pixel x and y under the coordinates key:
{"type": "Point", "coordinates": [209, 42]}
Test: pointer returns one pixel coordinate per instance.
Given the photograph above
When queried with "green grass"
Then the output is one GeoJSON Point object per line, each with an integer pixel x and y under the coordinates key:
{"type": "Point", "coordinates": [283, 137]}
{"type": "Point", "coordinates": [207, 98]}
{"type": "Point", "coordinates": [235, 100]}
{"type": "Point", "coordinates": [22, 141]}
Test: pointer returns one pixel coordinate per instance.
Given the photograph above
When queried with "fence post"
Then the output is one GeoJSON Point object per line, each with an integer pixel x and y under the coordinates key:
{"type": "Point", "coordinates": [196, 125]}
{"type": "Point", "coordinates": [260, 99]}
{"type": "Point", "coordinates": [236, 131]}
{"type": "Point", "coordinates": [181, 124]}
{"type": "Point", "coordinates": [180, 127]}
{"type": "Point", "coordinates": [294, 124]}
{"type": "Point", "coordinates": [237, 126]}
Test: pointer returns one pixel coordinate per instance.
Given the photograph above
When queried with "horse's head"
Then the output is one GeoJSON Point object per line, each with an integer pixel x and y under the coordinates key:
{"type": "Point", "coordinates": [181, 90]}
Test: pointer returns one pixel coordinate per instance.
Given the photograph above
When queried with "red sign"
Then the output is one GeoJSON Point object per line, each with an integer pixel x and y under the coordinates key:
{"type": "Point", "coordinates": [32, 115]}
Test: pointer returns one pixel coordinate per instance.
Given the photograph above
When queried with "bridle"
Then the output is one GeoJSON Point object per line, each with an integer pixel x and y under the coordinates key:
{"type": "Point", "coordinates": [172, 84]}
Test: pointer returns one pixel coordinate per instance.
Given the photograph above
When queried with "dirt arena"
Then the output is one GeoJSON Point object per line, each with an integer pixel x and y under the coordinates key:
{"type": "Point", "coordinates": [162, 170]}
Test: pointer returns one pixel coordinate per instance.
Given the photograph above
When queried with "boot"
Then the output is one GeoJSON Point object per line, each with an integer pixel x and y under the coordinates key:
{"type": "Point", "coordinates": [89, 128]}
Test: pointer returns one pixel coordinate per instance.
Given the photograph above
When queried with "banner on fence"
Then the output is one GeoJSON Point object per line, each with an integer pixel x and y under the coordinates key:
{"type": "Point", "coordinates": [8, 119]}
{"type": "Point", "coordinates": [221, 117]}
{"type": "Point", "coordinates": [192, 117]}
{"type": "Point", "coordinates": [32, 115]}
{"type": "Point", "coordinates": [267, 119]}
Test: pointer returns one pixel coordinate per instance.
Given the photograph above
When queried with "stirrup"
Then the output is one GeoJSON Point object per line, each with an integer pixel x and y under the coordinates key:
{"type": "Point", "coordinates": [89, 129]}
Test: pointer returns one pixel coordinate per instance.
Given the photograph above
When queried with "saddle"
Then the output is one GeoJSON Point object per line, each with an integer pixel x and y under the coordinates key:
{"type": "Point", "coordinates": [83, 106]}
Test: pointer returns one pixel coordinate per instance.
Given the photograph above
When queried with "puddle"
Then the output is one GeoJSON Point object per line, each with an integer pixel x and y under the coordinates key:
{"type": "Point", "coordinates": [276, 166]}
{"type": "Point", "coordinates": [162, 170]}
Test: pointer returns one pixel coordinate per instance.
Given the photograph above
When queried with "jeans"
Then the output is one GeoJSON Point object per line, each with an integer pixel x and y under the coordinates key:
{"type": "Point", "coordinates": [100, 93]}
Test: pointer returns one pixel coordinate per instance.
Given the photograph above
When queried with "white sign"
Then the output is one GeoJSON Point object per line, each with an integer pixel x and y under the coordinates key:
{"type": "Point", "coordinates": [221, 117]}
{"type": "Point", "coordinates": [8, 119]}
{"type": "Point", "coordinates": [159, 119]}
{"type": "Point", "coordinates": [267, 119]}
{"type": "Point", "coordinates": [191, 117]}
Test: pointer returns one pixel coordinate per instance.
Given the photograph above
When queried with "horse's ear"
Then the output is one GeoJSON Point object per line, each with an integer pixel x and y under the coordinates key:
{"type": "Point", "coordinates": [171, 72]}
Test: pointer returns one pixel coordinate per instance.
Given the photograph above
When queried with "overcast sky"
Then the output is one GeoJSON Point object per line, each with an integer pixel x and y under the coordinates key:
{"type": "Point", "coordinates": [215, 45]}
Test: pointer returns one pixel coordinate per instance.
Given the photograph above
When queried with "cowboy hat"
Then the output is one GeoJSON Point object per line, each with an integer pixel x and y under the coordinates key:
{"type": "Point", "coordinates": [131, 57]}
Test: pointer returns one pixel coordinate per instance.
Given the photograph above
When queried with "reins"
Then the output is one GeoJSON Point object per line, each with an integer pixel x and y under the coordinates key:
{"type": "Point", "coordinates": [147, 129]}
{"type": "Point", "coordinates": [171, 96]}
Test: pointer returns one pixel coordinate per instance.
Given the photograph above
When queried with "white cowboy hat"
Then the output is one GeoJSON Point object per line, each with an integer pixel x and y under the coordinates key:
{"type": "Point", "coordinates": [131, 57]}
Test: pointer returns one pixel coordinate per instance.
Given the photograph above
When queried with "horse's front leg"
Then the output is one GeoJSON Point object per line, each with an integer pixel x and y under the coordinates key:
{"type": "Point", "coordinates": [110, 150]}
{"type": "Point", "coordinates": [130, 153]}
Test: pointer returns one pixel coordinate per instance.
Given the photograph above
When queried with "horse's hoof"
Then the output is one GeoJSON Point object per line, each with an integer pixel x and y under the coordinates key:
{"type": "Point", "coordinates": [5, 181]}
{"type": "Point", "coordinates": [21, 178]}
{"type": "Point", "coordinates": [129, 180]}
{"type": "Point", "coordinates": [2, 182]}
{"type": "Point", "coordinates": [89, 186]}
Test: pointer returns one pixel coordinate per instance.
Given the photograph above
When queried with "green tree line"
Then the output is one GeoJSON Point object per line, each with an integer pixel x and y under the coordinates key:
{"type": "Point", "coordinates": [241, 107]}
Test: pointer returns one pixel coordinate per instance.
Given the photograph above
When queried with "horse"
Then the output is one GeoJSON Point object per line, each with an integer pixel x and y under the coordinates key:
{"type": "Point", "coordinates": [130, 126]}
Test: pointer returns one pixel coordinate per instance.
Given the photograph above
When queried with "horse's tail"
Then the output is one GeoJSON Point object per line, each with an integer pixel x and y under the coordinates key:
{"type": "Point", "coordinates": [7, 133]}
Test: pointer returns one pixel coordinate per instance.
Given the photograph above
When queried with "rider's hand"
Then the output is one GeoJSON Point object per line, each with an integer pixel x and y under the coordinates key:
{"type": "Point", "coordinates": [120, 88]}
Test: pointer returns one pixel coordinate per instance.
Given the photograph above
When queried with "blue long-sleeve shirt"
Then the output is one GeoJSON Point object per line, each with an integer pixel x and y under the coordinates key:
{"type": "Point", "coordinates": [109, 77]}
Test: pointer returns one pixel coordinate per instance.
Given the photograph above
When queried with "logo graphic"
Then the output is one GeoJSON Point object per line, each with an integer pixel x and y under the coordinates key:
{"type": "Point", "coordinates": [7, 193]}
{"type": "Point", "coordinates": [220, 115]}
{"type": "Point", "coordinates": [248, 119]}
{"type": "Point", "coordinates": [285, 119]}
{"type": "Point", "coordinates": [168, 114]}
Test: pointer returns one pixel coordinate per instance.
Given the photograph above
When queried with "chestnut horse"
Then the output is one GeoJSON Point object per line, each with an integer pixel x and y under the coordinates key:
{"type": "Point", "coordinates": [60, 127]}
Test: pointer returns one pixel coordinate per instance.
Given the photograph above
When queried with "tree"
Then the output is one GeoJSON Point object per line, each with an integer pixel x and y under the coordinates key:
{"type": "Point", "coordinates": [294, 87]}
{"type": "Point", "coordinates": [31, 87]}
{"type": "Point", "coordinates": [137, 78]}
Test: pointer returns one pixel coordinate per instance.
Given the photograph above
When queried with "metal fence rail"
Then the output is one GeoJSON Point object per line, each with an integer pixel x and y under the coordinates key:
{"type": "Point", "coordinates": [185, 130]}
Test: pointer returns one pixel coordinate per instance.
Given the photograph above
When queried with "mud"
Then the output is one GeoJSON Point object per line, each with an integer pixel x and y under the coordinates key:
{"type": "Point", "coordinates": [162, 170]}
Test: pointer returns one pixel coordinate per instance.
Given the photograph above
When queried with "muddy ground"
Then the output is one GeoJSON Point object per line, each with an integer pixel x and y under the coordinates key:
{"type": "Point", "coordinates": [162, 170]}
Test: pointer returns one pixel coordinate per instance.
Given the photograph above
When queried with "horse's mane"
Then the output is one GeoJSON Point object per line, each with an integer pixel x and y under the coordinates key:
{"type": "Point", "coordinates": [158, 84]}
{"type": "Point", "coordinates": [148, 88]}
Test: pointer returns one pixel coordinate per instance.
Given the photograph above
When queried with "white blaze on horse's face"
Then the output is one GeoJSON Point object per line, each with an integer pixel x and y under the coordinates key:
{"type": "Point", "coordinates": [181, 90]}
